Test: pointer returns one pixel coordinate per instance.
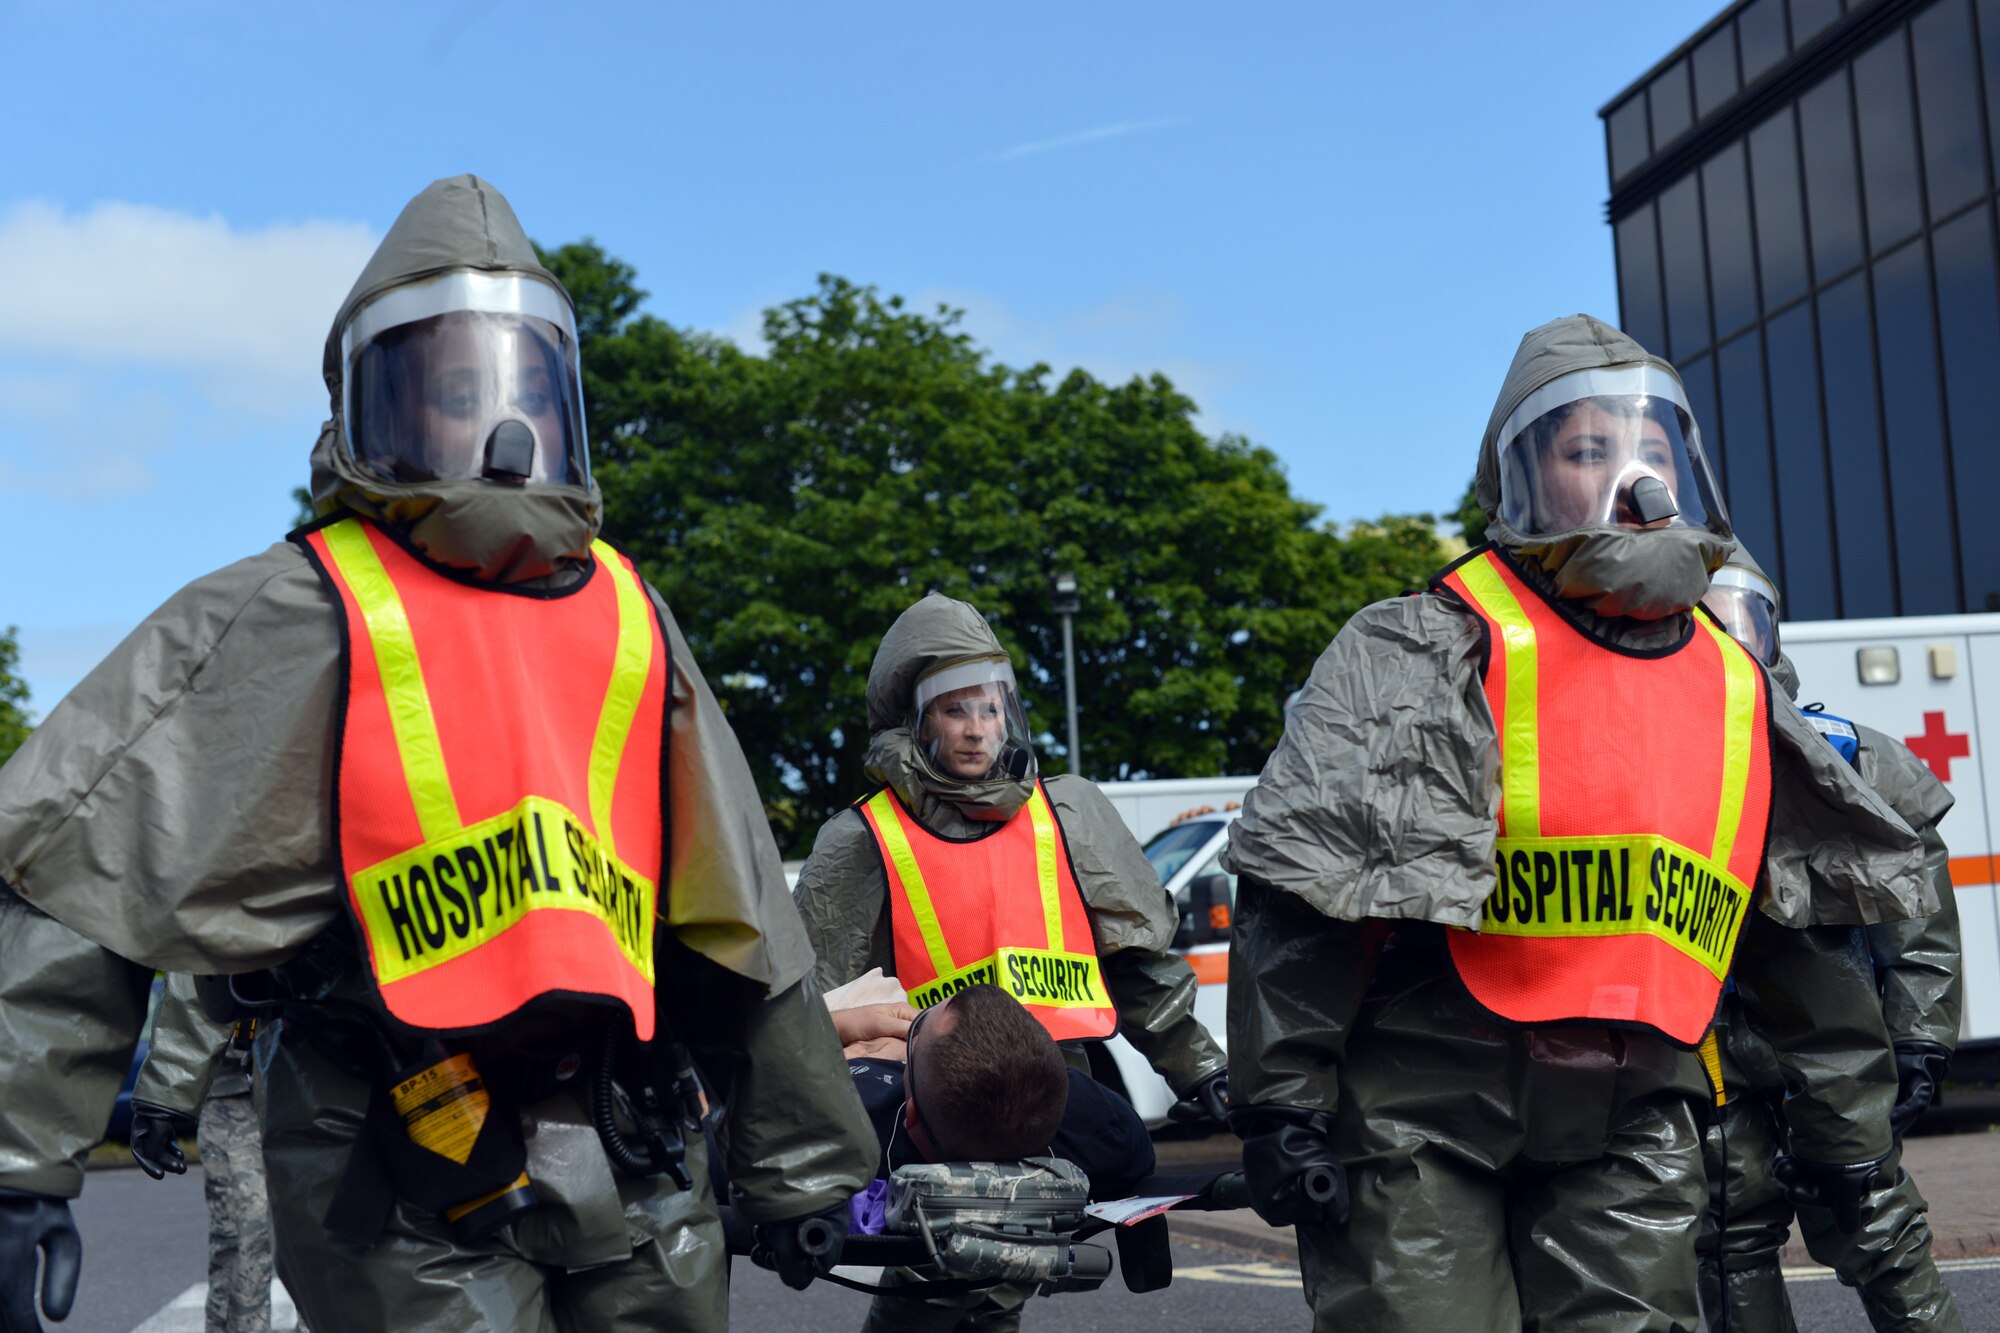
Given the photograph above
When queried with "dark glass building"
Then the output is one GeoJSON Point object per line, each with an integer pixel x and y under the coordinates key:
{"type": "Point", "coordinates": [1802, 202]}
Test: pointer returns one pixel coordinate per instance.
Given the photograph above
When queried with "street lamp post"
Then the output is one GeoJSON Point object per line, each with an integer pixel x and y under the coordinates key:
{"type": "Point", "coordinates": [1066, 601]}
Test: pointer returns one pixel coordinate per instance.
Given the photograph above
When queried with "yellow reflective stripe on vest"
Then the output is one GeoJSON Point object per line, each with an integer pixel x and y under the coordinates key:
{"type": "Point", "coordinates": [1520, 730]}
{"type": "Point", "coordinates": [1045, 977]}
{"type": "Point", "coordinates": [889, 820]}
{"type": "Point", "coordinates": [446, 898]}
{"type": "Point", "coordinates": [1711, 1064]}
{"type": "Point", "coordinates": [630, 667]}
{"type": "Point", "coordinates": [1739, 718]}
{"type": "Point", "coordinates": [1617, 884]}
{"type": "Point", "coordinates": [395, 650]}
{"type": "Point", "coordinates": [1045, 865]}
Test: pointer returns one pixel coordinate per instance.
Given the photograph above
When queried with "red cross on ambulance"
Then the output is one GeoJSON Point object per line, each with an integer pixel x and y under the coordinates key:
{"type": "Point", "coordinates": [1938, 746]}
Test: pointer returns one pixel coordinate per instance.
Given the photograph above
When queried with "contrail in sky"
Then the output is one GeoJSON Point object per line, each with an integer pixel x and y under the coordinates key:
{"type": "Point", "coordinates": [1094, 135]}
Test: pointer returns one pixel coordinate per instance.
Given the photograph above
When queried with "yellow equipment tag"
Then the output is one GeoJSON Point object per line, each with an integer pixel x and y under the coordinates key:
{"type": "Point", "coordinates": [447, 897]}
{"type": "Point", "coordinates": [444, 1107]}
{"type": "Point", "coordinates": [1553, 888]}
{"type": "Point", "coordinates": [1032, 976]}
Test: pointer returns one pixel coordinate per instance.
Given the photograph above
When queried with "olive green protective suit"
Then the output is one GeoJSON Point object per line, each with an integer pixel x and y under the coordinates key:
{"type": "Point", "coordinates": [195, 1066]}
{"type": "Point", "coordinates": [1504, 1178]}
{"type": "Point", "coordinates": [843, 888]}
{"type": "Point", "coordinates": [176, 810]}
{"type": "Point", "coordinates": [1921, 999]}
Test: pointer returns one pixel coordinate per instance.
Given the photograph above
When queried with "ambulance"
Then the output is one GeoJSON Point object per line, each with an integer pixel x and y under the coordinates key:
{"type": "Point", "coordinates": [1922, 679]}
{"type": "Point", "coordinates": [1917, 678]}
{"type": "Point", "coordinates": [1183, 823]}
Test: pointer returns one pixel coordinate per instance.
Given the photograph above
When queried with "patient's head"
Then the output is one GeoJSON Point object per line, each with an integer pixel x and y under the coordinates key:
{"type": "Point", "coordinates": [985, 1081]}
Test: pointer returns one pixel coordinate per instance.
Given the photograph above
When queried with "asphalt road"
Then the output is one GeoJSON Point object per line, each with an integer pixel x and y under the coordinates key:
{"type": "Point", "coordinates": [144, 1246]}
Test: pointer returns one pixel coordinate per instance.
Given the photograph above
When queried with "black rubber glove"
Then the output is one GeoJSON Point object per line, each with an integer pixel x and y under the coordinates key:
{"type": "Point", "coordinates": [1289, 1167]}
{"type": "Point", "coordinates": [1920, 1070]}
{"type": "Point", "coordinates": [802, 1249]}
{"type": "Point", "coordinates": [1822, 1185]}
{"type": "Point", "coordinates": [30, 1223]}
{"type": "Point", "coordinates": [154, 1131]}
{"type": "Point", "coordinates": [1206, 1101]}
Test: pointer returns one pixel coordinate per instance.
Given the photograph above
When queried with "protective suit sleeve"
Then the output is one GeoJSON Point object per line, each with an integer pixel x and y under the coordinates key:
{"type": "Point", "coordinates": [1129, 907]}
{"type": "Point", "coordinates": [1381, 798]}
{"type": "Point", "coordinates": [70, 1015]}
{"type": "Point", "coordinates": [794, 1135]}
{"type": "Point", "coordinates": [726, 895]}
{"type": "Point", "coordinates": [1917, 962]}
{"type": "Point", "coordinates": [1154, 995]}
{"type": "Point", "coordinates": [1838, 854]}
{"type": "Point", "coordinates": [184, 1052]}
{"type": "Point", "coordinates": [175, 806]}
{"type": "Point", "coordinates": [1297, 981]}
{"type": "Point", "coordinates": [1810, 993]}
{"type": "Point", "coordinates": [843, 898]}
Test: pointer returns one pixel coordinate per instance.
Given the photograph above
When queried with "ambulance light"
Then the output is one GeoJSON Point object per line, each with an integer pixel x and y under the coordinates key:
{"type": "Point", "coordinates": [1878, 666]}
{"type": "Point", "coordinates": [1944, 660]}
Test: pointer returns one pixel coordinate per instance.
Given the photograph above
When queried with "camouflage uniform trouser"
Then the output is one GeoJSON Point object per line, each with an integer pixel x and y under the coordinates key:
{"type": "Point", "coordinates": [1887, 1262]}
{"type": "Point", "coordinates": [239, 1216]}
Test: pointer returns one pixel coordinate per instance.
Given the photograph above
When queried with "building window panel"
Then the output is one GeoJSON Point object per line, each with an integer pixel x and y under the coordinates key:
{"type": "Point", "coordinates": [1639, 306]}
{"type": "Point", "coordinates": [1760, 36]}
{"type": "Point", "coordinates": [1732, 263]}
{"type": "Point", "coordinates": [1888, 142]}
{"type": "Point", "coordinates": [1714, 71]}
{"type": "Point", "coordinates": [1684, 266]}
{"type": "Point", "coordinates": [1810, 18]}
{"type": "Point", "coordinates": [1969, 323]}
{"type": "Point", "coordinates": [1989, 54]}
{"type": "Point", "coordinates": [1781, 222]}
{"type": "Point", "coordinates": [1698, 378]}
{"type": "Point", "coordinates": [1749, 489]}
{"type": "Point", "coordinates": [1920, 491]}
{"type": "Point", "coordinates": [1948, 105]}
{"type": "Point", "coordinates": [1625, 129]}
{"type": "Point", "coordinates": [1833, 191]}
{"type": "Point", "coordinates": [1807, 576]}
{"type": "Point", "coordinates": [1854, 449]}
{"type": "Point", "coordinates": [1673, 111]}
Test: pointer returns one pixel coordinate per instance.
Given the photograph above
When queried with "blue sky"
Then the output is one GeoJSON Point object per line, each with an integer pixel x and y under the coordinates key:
{"type": "Point", "coordinates": [1330, 223]}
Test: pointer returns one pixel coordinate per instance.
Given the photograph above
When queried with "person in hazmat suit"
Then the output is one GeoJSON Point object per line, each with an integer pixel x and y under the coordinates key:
{"type": "Point", "coordinates": [437, 784]}
{"type": "Point", "coordinates": [196, 1080]}
{"type": "Point", "coordinates": [1920, 995]}
{"type": "Point", "coordinates": [963, 866]}
{"type": "Point", "coordinates": [1494, 874]}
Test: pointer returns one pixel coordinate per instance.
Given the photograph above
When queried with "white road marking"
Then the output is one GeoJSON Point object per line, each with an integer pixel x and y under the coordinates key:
{"type": "Point", "coordinates": [188, 1312]}
{"type": "Point", "coordinates": [1243, 1275]}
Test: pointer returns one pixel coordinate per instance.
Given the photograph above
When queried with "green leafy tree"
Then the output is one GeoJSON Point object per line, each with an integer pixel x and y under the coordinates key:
{"type": "Point", "coordinates": [14, 724]}
{"type": "Point", "coordinates": [1469, 518]}
{"type": "Point", "coordinates": [791, 505]}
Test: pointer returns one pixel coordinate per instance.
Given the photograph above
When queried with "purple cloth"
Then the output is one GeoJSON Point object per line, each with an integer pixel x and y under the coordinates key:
{"type": "Point", "coordinates": [868, 1211]}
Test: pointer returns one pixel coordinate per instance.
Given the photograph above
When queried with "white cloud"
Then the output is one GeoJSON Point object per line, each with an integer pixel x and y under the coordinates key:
{"type": "Point", "coordinates": [77, 436]}
{"type": "Point", "coordinates": [1096, 134]}
{"type": "Point", "coordinates": [131, 284]}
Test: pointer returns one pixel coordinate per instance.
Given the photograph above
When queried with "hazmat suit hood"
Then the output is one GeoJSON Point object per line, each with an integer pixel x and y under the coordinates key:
{"type": "Point", "coordinates": [938, 631]}
{"type": "Point", "coordinates": [495, 532]}
{"type": "Point", "coordinates": [1614, 571]}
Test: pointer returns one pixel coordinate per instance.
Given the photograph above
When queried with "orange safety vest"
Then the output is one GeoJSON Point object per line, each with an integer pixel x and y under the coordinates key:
{"type": "Point", "coordinates": [499, 790]}
{"type": "Point", "coordinates": [1635, 794]}
{"type": "Point", "coordinates": [953, 900]}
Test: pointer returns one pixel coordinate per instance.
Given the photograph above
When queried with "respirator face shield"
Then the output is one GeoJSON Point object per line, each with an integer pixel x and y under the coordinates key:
{"type": "Point", "coordinates": [1612, 447]}
{"type": "Point", "coordinates": [970, 726]}
{"type": "Point", "coordinates": [466, 376]}
{"type": "Point", "coordinates": [1747, 606]}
